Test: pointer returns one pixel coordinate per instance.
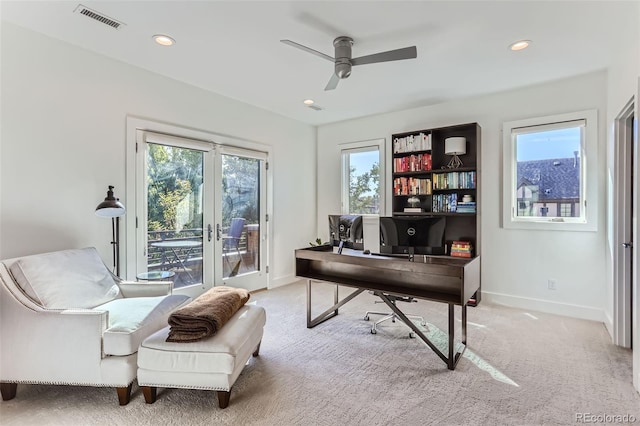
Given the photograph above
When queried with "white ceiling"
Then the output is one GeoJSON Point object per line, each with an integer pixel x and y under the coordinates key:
{"type": "Point", "coordinates": [232, 47]}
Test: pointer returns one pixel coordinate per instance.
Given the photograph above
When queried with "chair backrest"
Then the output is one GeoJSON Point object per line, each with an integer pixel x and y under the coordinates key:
{"type": "Point", "coordinates": [65, 279]}
{"type": "Point", "coordinates": [232, 239]}
{"type": "Point", "coordinates": [237, 224]}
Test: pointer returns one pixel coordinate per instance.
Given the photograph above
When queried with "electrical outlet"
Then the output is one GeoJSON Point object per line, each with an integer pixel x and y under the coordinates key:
{"type": "Point", "coordinates": [552, 284]}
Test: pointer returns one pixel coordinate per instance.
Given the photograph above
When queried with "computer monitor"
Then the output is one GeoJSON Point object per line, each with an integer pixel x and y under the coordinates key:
{"type": "Point", "coordinates": [347, 228]}
{"type": "Point", "coordinates": [420, 235]}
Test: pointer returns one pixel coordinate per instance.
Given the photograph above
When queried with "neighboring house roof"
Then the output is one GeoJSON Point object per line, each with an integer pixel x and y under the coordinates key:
{"type": "Point", "coordinates": [557, 178]}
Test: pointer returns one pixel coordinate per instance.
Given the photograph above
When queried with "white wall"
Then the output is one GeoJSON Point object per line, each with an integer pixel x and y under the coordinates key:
{"type": "Point", "coordinates": [64, 112]}
{"type": "Point", "coordinates": [516, 264]}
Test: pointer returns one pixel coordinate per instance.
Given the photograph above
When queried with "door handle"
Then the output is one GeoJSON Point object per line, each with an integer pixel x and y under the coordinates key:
{"type": "Point", "coordinates": [209, 232]}
{"type": "Point", "coordinates": [218, 232]}
{"type": "Point", "coordinates": [627, 245]}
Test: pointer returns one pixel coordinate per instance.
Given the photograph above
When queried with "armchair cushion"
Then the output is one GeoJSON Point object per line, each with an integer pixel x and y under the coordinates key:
{"type": "Point", "coordinates": [131, 320]}
{"type": "Point", "coordinates": [66, 279]}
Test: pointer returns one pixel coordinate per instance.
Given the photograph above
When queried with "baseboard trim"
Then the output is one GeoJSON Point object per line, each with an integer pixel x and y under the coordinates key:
{"type": "Point", "coordinates": [564, 309]}
{"type": "Point", "coordinates": [608, 323]}
{"type": "Point", "coordinates": [279, 282]}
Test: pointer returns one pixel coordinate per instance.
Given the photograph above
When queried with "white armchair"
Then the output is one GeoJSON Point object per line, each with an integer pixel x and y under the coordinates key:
{"type": "Point", "coordinates": [65, 319]}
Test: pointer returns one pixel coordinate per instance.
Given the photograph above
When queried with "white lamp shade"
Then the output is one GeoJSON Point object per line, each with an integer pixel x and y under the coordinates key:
{"type": "Point", "coordinates": [115, 211]}
{"type": "Point", "coordinates": [455, 146]}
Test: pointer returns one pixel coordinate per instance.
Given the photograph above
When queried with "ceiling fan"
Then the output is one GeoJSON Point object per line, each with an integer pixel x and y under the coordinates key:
{"type": "Point", "coordinates": [344, 62]}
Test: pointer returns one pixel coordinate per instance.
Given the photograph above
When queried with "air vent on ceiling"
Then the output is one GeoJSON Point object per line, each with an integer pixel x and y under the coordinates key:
{"type": "Point", "coordinates": [98, 16]}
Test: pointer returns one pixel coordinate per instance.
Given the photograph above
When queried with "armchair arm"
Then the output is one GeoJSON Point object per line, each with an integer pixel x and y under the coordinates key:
{"type": "Point", "coordinates": [57, 346]}
{"type": "Point", "coordinates": [145, 289]}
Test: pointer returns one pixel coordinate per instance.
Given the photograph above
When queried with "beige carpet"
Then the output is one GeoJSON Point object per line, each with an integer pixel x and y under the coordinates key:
{"type": "Point", "coordinates": [521, 368]}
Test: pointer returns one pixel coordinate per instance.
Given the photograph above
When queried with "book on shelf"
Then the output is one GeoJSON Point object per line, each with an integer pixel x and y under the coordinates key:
{"type": "Point", "coordinates": [454, 180]}
{"type": "Point", "coordinates": [411, 186]}
{"type": "Point", "coordinates": [466, 207]}
{"type": "Point", "coordinates": [445, 203]}
{"type": "Point", "coordinates": [412, 163]}
{"type": "Point", "coordinates": [413, 210]}
{"type": "Point", "coordinates": [419, 142]}
{"type": "Point", "coordinates": [461, 249]}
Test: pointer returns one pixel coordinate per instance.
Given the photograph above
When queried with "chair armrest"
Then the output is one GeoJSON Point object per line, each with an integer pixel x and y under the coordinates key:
{"type": "Point", "coordinates": [145, 289]}
{"type": "Point", "coordinates": [50, 345]}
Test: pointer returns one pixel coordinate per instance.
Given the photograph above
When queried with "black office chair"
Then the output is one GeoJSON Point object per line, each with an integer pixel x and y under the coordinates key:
{"type": "Point", "coordinates": [392, 316]}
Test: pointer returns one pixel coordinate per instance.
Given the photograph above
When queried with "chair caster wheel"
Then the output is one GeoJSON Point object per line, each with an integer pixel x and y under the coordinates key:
{"type": "Point", "coordinates": [373, 331]}
{"type": "Point", "coordinates": [424, 324]}
{"type": "Point", "coordinates": [366, 318]}
{"type": "Point", "coordinates": [412, 335]}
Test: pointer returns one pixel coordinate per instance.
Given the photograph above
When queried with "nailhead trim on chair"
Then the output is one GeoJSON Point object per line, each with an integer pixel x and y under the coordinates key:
{"type": "Point", "coordinates": [174, 386]}
{"type": "Point", "coordinates": [96, 385]}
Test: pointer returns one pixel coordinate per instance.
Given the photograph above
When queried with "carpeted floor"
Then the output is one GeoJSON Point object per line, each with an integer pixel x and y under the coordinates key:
{"type": "Point", "coordinates": [521, 368]}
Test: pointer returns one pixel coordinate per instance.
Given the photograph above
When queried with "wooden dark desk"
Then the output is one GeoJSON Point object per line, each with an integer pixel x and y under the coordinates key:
{"type": "Point", "coordinates": [438, 278]}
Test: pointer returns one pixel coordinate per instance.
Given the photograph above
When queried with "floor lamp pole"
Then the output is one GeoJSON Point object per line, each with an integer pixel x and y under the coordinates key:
{"type": "Point", "coordinates": [115, 242]}
{"type": "Point", "coordinates": [113, 208]}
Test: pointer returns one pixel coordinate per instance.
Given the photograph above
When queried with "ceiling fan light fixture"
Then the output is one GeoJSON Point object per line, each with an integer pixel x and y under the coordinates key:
{"type": "Point", "coordinates": [164, 40]}
{"type": "Point", "coordinates": [519, 45]}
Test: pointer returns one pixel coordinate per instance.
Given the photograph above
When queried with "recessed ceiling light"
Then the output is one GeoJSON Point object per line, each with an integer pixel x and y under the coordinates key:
{"type": "Point", "coordinates": [308, 102]}
{"type": "Point", "coordinates": [164, 40]}
{"type": "Point", "coordinates": [520, 44]}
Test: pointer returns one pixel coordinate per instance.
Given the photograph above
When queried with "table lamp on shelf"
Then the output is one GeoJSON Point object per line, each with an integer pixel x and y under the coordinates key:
{"type": "Point", "coordinates": [455, 146]}
{"type": "Point", "coordinates": [113, 208]}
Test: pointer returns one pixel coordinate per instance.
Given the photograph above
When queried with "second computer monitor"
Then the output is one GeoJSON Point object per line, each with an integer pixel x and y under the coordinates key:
{"type": "Point", "coordinates": [419, 235]}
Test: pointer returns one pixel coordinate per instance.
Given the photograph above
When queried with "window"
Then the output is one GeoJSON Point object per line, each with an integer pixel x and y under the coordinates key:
{"type": "Point", "coordinates": [363, 177]}
{"type": "Point", "coordinates": [549, 172]}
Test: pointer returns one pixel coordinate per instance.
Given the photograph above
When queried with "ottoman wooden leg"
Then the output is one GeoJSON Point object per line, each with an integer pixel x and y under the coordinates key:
{"type": "Point", "coordinates": [150, 393]}
{"type": "Point", "coordinates": [257, 351]}
{"type": "Point", "coordinates": [124, 394]}
{"type": "Point", "coordinates": [8, 390]}
{"type": "Point", "coordinates": [223, 398]}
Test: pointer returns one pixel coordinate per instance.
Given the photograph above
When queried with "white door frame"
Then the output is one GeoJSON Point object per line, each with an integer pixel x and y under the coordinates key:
{"type": "Point", "coordinates": [623, 228]}
{"type": "Point", "coordinates": [636, 256]}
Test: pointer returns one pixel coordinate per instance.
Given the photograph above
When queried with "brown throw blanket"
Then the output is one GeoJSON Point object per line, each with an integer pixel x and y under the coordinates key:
{"type": "Point", "coordinates": [205, 315]}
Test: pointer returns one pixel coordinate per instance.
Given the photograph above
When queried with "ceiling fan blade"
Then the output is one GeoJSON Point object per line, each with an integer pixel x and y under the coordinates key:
{"type": "Point", "coordinates": [308, 49]}
{"type": "Point", "coordinates": [391, 55]}
{"type": "Point", "coordinates": [333, 82]}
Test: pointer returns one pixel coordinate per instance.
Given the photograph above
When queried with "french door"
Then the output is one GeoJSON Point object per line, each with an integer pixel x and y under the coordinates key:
{"type": "Point", "coordinates": [241, 217]}
{"type": "Point", "coordinates": [190, 192]}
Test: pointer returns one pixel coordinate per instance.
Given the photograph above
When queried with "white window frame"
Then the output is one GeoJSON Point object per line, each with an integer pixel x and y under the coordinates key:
{"type": "Point", "coordinates": [588, 220]}
{"type": "Point", "coordinates": [363, 146]}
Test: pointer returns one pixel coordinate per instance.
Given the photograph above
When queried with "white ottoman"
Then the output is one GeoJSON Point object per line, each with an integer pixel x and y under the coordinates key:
{"type": "Point", "coordinates": [211, 364]}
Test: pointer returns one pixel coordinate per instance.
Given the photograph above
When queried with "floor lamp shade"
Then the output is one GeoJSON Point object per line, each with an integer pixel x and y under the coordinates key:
{"type": "Point", "coordinates": [113, 208]}
{"type": "Point", "coordinates": [455, 146]}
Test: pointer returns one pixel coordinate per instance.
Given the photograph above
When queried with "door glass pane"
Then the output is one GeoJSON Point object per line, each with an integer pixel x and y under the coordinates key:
{"type": "Point", "coordinates": [174, 214]}
{"type": "Point", "coordinates": [240, 215]}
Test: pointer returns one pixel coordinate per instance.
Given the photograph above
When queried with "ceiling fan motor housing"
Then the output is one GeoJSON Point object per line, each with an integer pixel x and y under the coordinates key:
{"type": "Point", "coordinates": [343, 56]}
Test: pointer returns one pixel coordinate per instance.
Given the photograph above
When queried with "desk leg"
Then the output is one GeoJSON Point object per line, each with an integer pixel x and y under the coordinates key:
{"type": "Point", "coordinates": [451, 336]}
{"type": "Point", "coordinates": [452, 359]}
{"type": "Point", "coordinates": [332, 311]}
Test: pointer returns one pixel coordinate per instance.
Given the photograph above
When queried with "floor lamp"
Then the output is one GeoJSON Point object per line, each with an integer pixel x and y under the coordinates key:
{"type": "Point", "coordinates": [113, 208]}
